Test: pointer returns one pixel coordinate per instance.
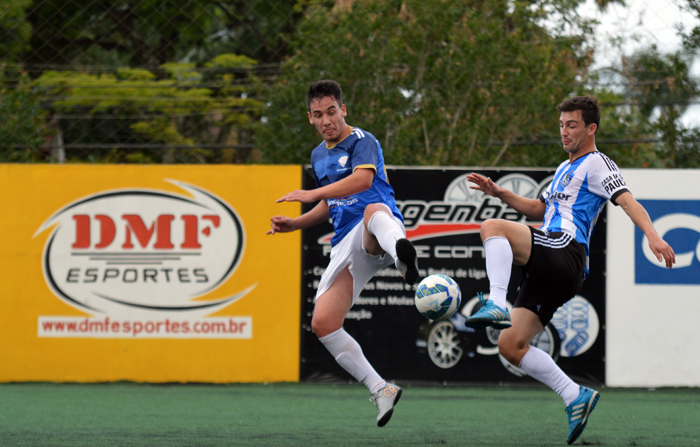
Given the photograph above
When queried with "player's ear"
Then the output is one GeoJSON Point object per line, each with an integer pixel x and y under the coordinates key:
{"type": "Point", "coordinates": [343, 111]}
{"type": "Point", "coordinates": [592, 129]}
{"type": "Point", "coordinates": [311, 119]}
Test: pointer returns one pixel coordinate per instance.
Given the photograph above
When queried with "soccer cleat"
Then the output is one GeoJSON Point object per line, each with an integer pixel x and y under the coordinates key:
{"type": "Point", "coordinates": [578, 412]}
{"type": "Point", "coordinates": [384, 400]}
{"type": "Point", "coordinates": [407, 261]}
{"type": "Point", "coordinates": [489, 315]}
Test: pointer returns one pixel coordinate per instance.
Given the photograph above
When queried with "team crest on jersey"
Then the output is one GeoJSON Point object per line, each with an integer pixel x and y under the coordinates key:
{"type": "Point", "coordinates": [566, 179]}
{"type": "Point", "coordinates": [342, 160]}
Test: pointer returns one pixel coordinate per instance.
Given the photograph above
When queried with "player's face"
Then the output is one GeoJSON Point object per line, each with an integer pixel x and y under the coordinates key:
{"type": "Point", "coordinates": [329, 118]}
{"type": "Point", "coordinates": [575, 135]}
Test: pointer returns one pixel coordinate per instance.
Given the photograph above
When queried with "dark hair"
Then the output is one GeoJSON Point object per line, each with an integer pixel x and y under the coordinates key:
{"type": "Point", "coordinates": [322, 89]}
{"type": "Point", "coordinates": [588, 105]}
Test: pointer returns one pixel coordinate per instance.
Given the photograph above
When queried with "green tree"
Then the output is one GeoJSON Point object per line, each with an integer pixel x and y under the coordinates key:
{"type": "Point", "coordinates": [21, 121]}
{"type": "Point", "coordinates": [688, 148]}
{"type": "Point", "coordinates": [691, 38]}
{"type": "Point", "coordinates": [145, 33]}
{"type": "Point", "coordinates": [661, 84]}
{"type": "Point", "coordinates": [175, 119]}
{"type": "Point", "coordinates": [148, 33]}
{"type": "Point", "coordinates": [438, 83]}
{"type": "Point", "coordinates": [259, 29]}
{"type": "Point", "coordinates": [14, 29]}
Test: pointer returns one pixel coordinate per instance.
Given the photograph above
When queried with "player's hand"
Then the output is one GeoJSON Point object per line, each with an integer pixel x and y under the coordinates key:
{"type": "Point", "coordinates": [281, 224]}
{"type": "Point", "coordinates": [662, 251]}
{"type": "Point", "coordinates": [299, 196]}
{"type": "Point", "coordinates": [484, 184]}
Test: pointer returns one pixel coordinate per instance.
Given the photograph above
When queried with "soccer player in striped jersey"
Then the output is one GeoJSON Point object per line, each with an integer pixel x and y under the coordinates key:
{"type": "Point", "coordinates": [353, 190]}
{"type": "Point", "coordinates": [555, 257]}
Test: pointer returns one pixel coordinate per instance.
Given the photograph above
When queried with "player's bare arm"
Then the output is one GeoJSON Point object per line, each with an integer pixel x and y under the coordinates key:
{"type": "Point", "coordinates": [284, 224]}
{"type": "Point", "coordinates": [640, 218]}
{"type": "Point", "coordinates": [355, 183]}
{"type": "Point", "coordinates": [533, 209]}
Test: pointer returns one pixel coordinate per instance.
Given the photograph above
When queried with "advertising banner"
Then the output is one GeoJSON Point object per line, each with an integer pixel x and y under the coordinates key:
{"type": "Point", "coordinates": [148, 273]}
{"type": "Point", "coordinates": [443, 217]}
{"type": "Point", "coordinates": [652, 310]}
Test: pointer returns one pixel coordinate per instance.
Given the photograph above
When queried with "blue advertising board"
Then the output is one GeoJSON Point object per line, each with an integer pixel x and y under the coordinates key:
{"type": "Point", "coordinates": [677, 222]}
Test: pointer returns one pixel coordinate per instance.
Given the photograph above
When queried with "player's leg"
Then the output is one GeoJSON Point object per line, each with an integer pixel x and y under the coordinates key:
{"type": "Point", "coordinates": [505, 243]}
{"type": "Point", "coordinates": [327, 323]}
{"type": "Point", "coordinates": [347, 273]}
{"type": "Point", "coordinates": [384, 234]}
{"type": "Point", "coordinates": [553, 274]}
{"type": "Point", "coordinates": [517, 235]}
{"type": "Point", "coordinates": [514, 346]}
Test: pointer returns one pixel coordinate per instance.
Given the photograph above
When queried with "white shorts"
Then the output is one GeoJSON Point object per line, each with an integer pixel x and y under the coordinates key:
{"type": "Point", "coordinates": [351, 252]}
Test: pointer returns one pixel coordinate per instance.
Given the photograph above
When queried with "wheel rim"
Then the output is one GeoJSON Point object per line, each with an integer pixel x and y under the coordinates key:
{"type": "Point", "coordinates": [444, 345]}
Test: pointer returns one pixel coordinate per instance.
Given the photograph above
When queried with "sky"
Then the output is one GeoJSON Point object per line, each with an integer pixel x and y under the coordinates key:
{"type": "Point", "coordinates": [641, 23]}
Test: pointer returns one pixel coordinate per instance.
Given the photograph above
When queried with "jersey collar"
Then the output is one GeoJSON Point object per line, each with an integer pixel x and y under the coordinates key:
{"type": "Point", "coordinates": [334, 145]}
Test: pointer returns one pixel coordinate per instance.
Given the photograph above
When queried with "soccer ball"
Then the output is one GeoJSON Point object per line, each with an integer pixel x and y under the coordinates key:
{"type": "Point", "coordinates": [438, 297]}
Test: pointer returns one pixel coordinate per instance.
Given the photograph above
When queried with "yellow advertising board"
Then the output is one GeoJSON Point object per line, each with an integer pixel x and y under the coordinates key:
{"type": "Point", "coordinates": [148, 273]}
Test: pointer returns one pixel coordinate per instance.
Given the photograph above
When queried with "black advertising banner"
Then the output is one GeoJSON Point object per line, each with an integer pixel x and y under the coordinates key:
{"type": "Point", "coordinates": [443, 217]}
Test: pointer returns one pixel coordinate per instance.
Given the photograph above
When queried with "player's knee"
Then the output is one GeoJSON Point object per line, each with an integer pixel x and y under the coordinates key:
{"type": "Point", "coordinates": [323, 326]}
{"type": "Point", "coordinates": [372, 209]}
{"type": "Point", "coordinates": [490, 228]}
{"type": "Point", "coordinates": [507, 352]}
{"type": "Point", "coordinates": [510, 349]}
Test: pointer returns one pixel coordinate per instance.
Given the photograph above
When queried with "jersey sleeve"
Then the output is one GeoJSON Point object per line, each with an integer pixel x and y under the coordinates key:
{"type": "Point", "coordinates": [365, 153]}
{"type": "Point", "coordinates": [605, 179]}
{"type": "Point", "coordinates": [314, 159]}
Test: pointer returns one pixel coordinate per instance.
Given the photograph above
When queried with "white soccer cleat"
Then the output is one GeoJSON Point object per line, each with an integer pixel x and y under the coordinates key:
{"type": "Point", "coordinates": [384, 400]}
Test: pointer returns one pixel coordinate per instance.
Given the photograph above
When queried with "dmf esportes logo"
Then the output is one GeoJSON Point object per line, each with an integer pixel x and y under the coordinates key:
{"type": "Point", "coordinates": [144, 253]}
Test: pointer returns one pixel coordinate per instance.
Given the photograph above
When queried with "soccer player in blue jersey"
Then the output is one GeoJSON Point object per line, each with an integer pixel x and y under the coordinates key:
{"type": "Point", "coordinates": [352, 189]}
{"type": "Point", "coordinates": [554, 258]}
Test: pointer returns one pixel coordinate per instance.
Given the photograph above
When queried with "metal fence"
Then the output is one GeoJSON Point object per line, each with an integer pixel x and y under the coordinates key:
{"type": "Point", "coordinates": [183, 81]}
{"type": "Point", "coordinates": [139, 80]}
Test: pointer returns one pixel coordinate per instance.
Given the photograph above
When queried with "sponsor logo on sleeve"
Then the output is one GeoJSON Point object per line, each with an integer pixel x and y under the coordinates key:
{"type": "Point", "coordinates": [613, 182]}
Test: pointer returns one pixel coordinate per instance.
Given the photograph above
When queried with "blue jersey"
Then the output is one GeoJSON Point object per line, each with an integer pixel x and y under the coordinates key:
{"type": "Point", "coordinates": [359, 150]}
{"type": "Point", "coordinates": [577, 195]}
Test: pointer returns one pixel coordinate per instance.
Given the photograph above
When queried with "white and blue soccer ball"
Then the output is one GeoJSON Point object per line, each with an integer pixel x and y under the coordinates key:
{"type": "Point", "coordinates": [438, 297]}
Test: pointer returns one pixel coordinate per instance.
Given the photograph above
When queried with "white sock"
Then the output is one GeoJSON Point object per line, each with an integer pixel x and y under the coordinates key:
{"type": "Point", "coordinates": [348, 354]}
{"type": "Point", "coordinates": [499, 262]}
{"type": "Point", "coordinates": [386, 230]}
{"type": "Point", "coordinates": [539, 365]}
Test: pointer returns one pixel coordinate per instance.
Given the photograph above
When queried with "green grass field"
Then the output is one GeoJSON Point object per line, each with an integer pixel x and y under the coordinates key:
{"type": "Point", "coordinates": [129, 414]}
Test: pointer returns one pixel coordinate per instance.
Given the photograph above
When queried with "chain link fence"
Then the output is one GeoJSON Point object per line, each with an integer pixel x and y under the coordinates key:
{"type": "Point", "coordinates": [187, 81]}
{"type": "Point", "coordinates": [138, 80]}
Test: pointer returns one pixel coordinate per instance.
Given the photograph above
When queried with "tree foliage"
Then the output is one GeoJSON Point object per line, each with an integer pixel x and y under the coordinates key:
{"type": "Point", "coordinates": [115, 32]}
{"type": "Point", "coordinates": [662, 87]}
{"type": "Point", "coordinates": [149, 33]}
{"type": "Point", "coordinates": [438, 83]}
{"type": "Point", "coordinates": [22, 127]}
{"type": "Point", "coordinates": [14, 29]}
{"type": "Point", "coordinates": [185, 109]}
{"type": "Point", "coordinates": [443, 82]}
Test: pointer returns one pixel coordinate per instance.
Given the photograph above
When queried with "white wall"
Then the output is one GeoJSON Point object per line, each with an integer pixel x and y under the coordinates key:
{"type": "Point", "coordinates": [653, 330]}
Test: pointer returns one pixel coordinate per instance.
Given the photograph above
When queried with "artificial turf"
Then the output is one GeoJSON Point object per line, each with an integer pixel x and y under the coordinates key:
{"type": "Point", "coordinates": [306, 414]}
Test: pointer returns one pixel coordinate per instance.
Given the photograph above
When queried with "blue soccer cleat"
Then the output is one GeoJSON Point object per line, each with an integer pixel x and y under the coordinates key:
{"type": "Point", "coordinates": [489, 315]}
{"type": "Point", "coordinates": [578, 412]}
